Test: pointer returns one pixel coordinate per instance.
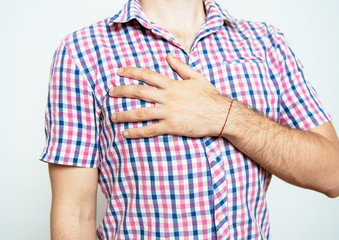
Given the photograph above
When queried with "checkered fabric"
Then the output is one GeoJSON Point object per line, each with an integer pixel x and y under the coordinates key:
{"type": "Point", "coordinates": [173, 187]}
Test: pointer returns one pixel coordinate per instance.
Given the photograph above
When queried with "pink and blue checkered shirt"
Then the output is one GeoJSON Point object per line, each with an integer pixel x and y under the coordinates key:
{"type": "Point", "coordinates": [172, 187]}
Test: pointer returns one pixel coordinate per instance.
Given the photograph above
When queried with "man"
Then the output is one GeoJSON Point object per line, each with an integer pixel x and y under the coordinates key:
{"type": "Point", "coordinates": [182, 113]}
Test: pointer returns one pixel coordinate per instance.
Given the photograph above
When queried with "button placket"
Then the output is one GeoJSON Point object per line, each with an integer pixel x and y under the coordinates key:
{"type": "Point", "coordinates": [219, 187]}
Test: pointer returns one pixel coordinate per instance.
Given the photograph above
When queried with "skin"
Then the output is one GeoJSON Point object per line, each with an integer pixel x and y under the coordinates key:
{"type": "Point", "coordinates": [74, 194]}
{"type": "Point", "coordinates": [194, 108]}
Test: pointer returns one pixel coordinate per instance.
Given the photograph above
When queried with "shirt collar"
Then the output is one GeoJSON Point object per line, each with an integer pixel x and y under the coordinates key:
{"type": "Point", "coordinates": [217, 12]}
{"type": "Point", "coordinates": [132, 10]}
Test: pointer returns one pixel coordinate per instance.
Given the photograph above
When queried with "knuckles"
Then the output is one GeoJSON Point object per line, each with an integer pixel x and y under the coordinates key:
{"type": "Point", "coordinates": [189, 130]}
{"type": "Point", "coordinates": [140, 114]}
{"type": "Point", "coordinates": [145, 73]}
{"type": "Point", "coordinates": [150, 131]}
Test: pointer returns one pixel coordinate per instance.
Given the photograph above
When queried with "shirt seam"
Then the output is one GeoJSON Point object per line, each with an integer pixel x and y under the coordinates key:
{"type": "Point", "coordinates": [83, 75]}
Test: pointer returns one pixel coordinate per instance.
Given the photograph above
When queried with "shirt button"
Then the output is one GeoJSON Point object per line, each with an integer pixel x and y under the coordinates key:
{"type": "Point", "coordinates": [220, 218]}
{"type": "Point", "coordinates": [195, 54]}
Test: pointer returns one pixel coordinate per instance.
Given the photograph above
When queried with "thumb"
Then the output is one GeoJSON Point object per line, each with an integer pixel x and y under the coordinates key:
{"type": "Point", "coordinates": [184, 71]}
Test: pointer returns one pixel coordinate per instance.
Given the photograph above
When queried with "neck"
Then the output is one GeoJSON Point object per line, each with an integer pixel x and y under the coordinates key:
{"type": "Point", "coordinates": [175, 15]}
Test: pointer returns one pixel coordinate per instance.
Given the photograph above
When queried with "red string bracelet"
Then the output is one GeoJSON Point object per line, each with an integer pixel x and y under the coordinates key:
{"type": "Point", "coordinates": [229, 110]}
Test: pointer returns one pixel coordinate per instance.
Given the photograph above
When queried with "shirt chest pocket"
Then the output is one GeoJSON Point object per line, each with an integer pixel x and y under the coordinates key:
{"type": "Point", "coordinates": [247, 80]}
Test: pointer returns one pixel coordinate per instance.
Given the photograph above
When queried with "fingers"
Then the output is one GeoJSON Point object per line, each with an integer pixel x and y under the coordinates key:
{"type": "Point", "coordinates": [142, 92]}
{"type": "Point", "coordinates": [184, 71]}
{"type": "Point", "coordinates": [147, 76]}
{"type": "Point", "coordinates": [148, 131]}
{"type": "Point", "coordinates": [139, 115]}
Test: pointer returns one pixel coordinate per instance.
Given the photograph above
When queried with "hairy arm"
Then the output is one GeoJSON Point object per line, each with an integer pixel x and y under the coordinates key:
{"type": "Point", "coordinates": [73, 211]}
{"type": "Point", "coordinates": [308, 159]}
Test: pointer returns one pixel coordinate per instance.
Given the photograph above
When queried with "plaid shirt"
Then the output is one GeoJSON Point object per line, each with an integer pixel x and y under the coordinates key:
{"type": "Point", "coordinates": [171, 186]}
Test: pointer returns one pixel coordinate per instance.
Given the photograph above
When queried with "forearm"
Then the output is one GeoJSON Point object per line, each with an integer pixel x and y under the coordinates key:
{"type": "Point", "coordinates": [72, 224]}
{"type": "Point", "coordinates": [302, 158]}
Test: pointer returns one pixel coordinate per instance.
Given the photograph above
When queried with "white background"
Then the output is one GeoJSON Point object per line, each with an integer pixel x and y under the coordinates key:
{"type": "Point", "coordinates": [31, 31]}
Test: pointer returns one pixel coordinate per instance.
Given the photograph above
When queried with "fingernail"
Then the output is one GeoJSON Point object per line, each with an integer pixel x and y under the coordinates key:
{"type": "Point", "coordinates": [114, 116]}
{"type": "Point", "coordinates": [125, 133]}
{"type": "Point", "coordinates": [120, 70]}
{"type": "Point", "coordinates": [110, 92]}
{"type": "Point", "coordinates": [170, 55]}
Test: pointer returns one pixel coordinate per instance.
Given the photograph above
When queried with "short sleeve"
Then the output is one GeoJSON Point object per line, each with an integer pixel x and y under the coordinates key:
{"type": "Point", "coordinates": [72, 118]}
{"type": "Point", "coordinates": [299, 104]}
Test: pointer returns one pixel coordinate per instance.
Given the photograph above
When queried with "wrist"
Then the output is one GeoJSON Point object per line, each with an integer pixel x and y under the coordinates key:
{"type": "Point", "coordinates": [221, 116]}
{"type": "Point", "coordinates": [228, 113]}
{"type": "Point", "coordinates": [235, 114]}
